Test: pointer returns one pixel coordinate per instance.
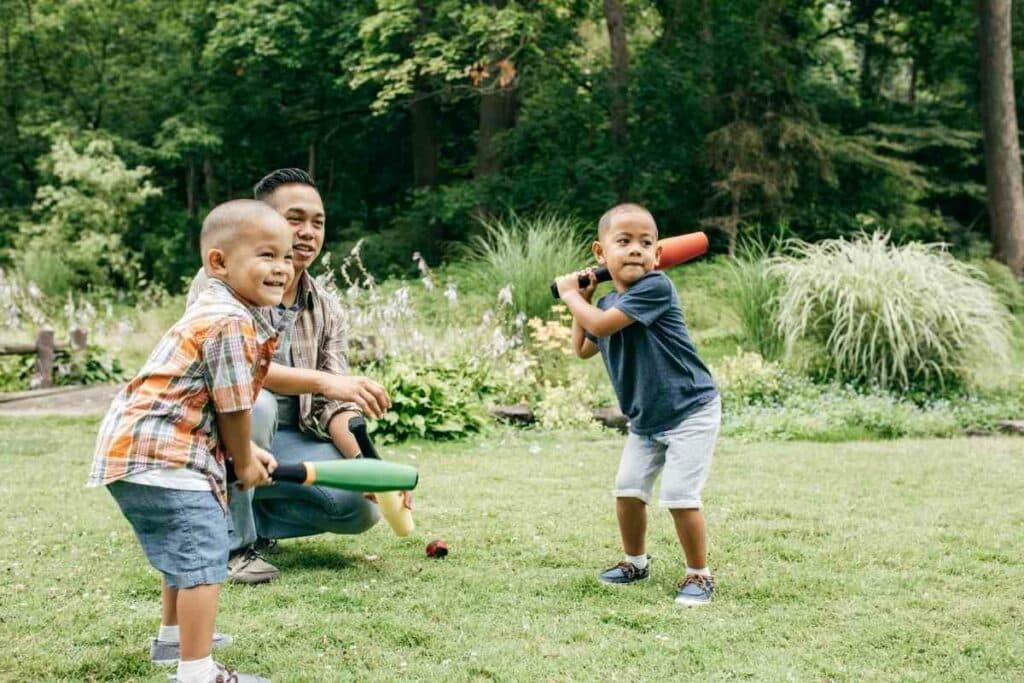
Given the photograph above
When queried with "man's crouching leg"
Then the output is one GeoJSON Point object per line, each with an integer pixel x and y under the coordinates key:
{"type": "Point", "coordinates": [292, 510]}
{"type": "Point", "coordinates": [245, 564]}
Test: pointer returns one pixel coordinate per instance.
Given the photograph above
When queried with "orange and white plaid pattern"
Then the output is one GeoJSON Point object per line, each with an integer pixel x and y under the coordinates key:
{"type": "Point", "coordinates": [213, 360]}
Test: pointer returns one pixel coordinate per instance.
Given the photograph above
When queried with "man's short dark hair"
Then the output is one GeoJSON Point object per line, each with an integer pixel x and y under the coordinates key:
{"type": "Point", "coordinates": [282, 176]}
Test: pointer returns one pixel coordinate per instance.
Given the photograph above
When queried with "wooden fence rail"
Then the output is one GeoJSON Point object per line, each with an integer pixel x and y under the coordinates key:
{"type": "Point", "coordinates": [45, 350]}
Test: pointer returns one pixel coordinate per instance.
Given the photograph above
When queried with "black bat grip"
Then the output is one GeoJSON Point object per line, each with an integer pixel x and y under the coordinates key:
{"type": "Point", "coordinates": [601, 274]}
{"type": "Point", "coordinates": [295, 473]}
{"type": "Point", "coordinates": [357, 425]}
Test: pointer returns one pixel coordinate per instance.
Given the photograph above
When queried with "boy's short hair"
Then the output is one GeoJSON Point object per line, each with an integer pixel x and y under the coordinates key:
{"type": "Point", "coordinates": [224, 220]}
{"type": "Point", "coordinates": [282, 176]}
{"type": "Point", "coordinates": [625, 207]}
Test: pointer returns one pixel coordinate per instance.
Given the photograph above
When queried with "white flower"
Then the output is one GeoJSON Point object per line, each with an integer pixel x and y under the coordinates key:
{"type": "Point", "coordinates": [428, 284]}
{"type": "Point", "coordinates": [451, 294]}
{"type": "Point", "coordinates": [505, 296]}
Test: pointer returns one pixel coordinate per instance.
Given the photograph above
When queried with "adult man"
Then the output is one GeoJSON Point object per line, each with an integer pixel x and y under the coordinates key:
{"type": "Point", "coordinates": [303, 412]}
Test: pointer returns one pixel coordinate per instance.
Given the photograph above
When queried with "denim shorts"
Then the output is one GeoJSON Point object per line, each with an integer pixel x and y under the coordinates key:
{"type": "Point", "coordinates": [683, 452]}
{"type": "Point", "coordinates": [183, 533]}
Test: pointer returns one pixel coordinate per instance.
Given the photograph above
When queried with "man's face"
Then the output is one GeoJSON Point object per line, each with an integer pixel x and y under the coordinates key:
{"type": "Point", "coordinates": [302, 207]}
{"type": "Point", "coordinates": [629, 247]}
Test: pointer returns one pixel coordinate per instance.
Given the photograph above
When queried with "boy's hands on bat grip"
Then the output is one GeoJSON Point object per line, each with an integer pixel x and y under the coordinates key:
{"type": "Point", "coordinates": [251, 473]}
{"type": "Point", "coordinates": [588, 291]}
{"type": "Point", "coordinates": [567, 283]}
{"type": "Point", "coordinates": [571, 283]}
{"type": "Point", "coordinates": [265, 457]}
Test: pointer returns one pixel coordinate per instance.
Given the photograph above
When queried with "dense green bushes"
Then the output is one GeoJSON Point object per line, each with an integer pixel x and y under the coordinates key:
{"type": "Point", "coordinates": [448, 350]}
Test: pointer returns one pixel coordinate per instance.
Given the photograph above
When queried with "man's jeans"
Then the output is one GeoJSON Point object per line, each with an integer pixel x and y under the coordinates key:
{"type": "Point", "coordinates": [288, 510]}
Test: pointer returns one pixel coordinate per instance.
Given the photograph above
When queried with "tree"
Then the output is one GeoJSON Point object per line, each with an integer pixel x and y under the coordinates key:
{"type": "Point", "coordinates": [615, 18]}
{"type": "Point", "coordinates": [999, 122]}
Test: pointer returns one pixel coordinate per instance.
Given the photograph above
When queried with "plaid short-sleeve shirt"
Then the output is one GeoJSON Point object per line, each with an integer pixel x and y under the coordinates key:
{"type": "Point", "coordinates": [214, 359]}
{"type": "Point", "coordinates": [319, 341]}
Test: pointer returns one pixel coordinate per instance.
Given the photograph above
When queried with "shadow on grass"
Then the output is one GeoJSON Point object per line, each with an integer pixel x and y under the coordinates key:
{"type": "Point", "coordinates": [309, 556]}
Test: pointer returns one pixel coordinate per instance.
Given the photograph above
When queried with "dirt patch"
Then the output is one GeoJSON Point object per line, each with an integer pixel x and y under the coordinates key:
{"type": "Point", "coordinates": [72, 401]}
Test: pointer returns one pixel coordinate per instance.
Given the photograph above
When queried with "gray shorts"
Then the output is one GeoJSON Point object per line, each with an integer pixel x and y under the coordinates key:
{"type": "Point", "coordinates": [684, 452]}
{"type": "Point", "coordinates": [183, 533]}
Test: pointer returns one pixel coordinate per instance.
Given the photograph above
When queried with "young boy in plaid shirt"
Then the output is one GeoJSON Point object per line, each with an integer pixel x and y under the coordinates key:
{"type": "Point", "coordinates": [162, 445]}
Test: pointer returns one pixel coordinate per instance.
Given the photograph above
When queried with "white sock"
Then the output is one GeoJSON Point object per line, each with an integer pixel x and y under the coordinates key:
{"type": "Point", "coordinates": [196, 670]}
{"type": "Point", "coordinates": [169, 634]}
{"type": "Point", "coordinates": [638, 561]}
{"type": "Point", "coordinates": [703, 571]}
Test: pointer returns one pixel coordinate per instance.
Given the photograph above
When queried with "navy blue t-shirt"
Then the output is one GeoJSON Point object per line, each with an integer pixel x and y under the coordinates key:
{"type": "Point", "coordinates": [653, 364]}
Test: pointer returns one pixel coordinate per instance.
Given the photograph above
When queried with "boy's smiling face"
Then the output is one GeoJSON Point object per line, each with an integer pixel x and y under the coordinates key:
{"type": "Point", "coordinates": [257, 264]}
{"type": "Point", "coordinates": [628, 245]}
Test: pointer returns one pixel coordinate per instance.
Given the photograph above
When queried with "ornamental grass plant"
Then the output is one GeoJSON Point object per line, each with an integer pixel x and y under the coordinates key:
{"type": "Point", "coordinates": [902, 318]}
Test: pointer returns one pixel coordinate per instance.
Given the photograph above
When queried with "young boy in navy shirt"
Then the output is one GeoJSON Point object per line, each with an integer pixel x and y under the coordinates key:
{"type": "Point", "coordinates": [663, 388]}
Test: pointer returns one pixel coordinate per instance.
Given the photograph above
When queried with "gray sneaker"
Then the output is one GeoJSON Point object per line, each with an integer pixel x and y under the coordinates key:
{"type": "Point", "coordinates": [625, 573]}
{"type": "Point", "coordinates": [695, 590]}
{"type": "Point", "coordinates": [165, 654]}
{"type": "Point", "coordinates": [249, 567]}
{"type": "Point", "coordinates": [226, 675]}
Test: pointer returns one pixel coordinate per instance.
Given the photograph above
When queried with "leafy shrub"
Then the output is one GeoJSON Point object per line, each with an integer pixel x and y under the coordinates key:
{"type": "Point", "coordinates": [839, 413]}
{"type": "Point", "coordinates": [899, 318]}
{"type": "Point", "coordinates": [747, 378]}
{"type": "Point", "coordinates": [70, 368]}
{"type": "Point", "coordinates": [549, 344]}
{"type": "Point", "coordinates": [566, 406]}
{"type": "Point", "coordinates": [1001, 278]}
{"type": "Point", "coordinates": [436, 401]}
{"type": "Point", "coordinates": [75, 238]}
{"type": "Point", "coordinates": [526, 254]}
{"type": "Point", "coordinates": [93, 366]}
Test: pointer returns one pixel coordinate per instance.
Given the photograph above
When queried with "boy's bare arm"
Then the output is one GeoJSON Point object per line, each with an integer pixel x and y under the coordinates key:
{"type": "Point", "coordinates": [370, 396]}
{"type": "Point", "coordinates": [599, 323]}
{"type": "Point", "coordinates": [235, 430]}
{"type": "Point", "coordinates": [583, 347]}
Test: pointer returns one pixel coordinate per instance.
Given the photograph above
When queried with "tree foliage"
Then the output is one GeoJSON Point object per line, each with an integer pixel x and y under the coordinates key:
{"type": "Point", "coordinates": [418, 117]}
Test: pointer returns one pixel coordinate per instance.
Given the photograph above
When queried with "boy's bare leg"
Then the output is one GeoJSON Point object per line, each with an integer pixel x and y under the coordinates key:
{"type": "Point", "coordinates": [169, 606]}
{"type": "Point", "coordinates": [692, 536]}
{"type": "Point", "coordinates": [632, 514]}
{"type": "Point", "coordinates": [197, 611]}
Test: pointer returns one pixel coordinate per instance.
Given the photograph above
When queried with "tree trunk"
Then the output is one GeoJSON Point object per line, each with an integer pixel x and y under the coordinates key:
{"type": "Point", "coordinates": [424, 140]}
{"type": "Point", "coordinates": [190, 188]}
{"type": "Point", "coordinates": [1002, 149]}
{"type": "Point", "coordinates": [615, 18]}
{"type": "Point", "coordinates": [424, 114]}
{"type": "Point", "coordinates": [867, 86]}
{"type": "Point", "coordinates": [311, 161]}
{"type": "Point", "coordinates": [912, 88]}
{"type": "Point", "coordinates": [497, 114]}
{"type": "Point", "coordinates": [430, 237]}
{"type": "Point", "coordinates": [209, 182]}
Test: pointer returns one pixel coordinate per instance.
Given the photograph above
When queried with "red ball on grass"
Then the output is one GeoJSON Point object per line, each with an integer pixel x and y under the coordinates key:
{"type": "Point", "coordinates": [437, 549]}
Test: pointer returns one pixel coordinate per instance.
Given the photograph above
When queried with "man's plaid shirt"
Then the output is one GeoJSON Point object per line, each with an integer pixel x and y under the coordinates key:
{"type": "Point", "coordinates": [214, 359]}
{"type": "Point", "coordinates": [319, 341]}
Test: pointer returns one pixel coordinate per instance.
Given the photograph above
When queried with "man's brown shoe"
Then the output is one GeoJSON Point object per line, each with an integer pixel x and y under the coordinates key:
{"type": "Point", "coordinates": [246, 566]}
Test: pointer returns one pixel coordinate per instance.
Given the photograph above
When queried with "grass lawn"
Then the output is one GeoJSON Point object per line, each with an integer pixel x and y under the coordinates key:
{"type": "Point", "coordinates": [859, 561]}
